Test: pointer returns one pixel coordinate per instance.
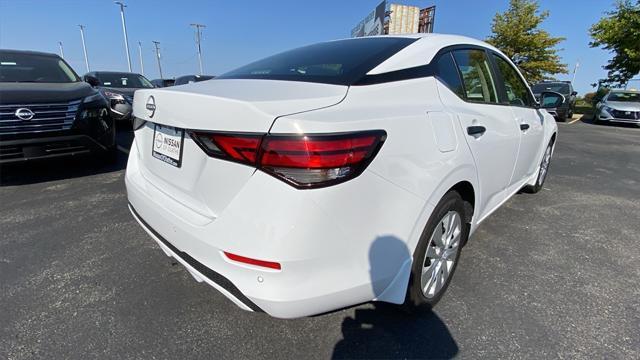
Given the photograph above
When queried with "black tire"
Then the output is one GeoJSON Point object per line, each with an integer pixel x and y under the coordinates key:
{"type": "Point", "coordinates": [532, 189]}
{"type": "Point", "coordinates": [415, 299]}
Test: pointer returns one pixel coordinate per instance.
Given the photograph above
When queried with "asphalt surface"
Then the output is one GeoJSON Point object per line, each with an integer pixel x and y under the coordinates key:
{"type": "Point", "coordinates": [555, 274]}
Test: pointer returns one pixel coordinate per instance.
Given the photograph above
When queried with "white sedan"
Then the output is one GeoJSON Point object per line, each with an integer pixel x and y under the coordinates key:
{"type": "Point", "coordinates": [337, 173]}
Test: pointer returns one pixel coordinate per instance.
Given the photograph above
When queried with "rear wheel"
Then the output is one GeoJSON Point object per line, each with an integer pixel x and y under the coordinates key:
{"type": "Point", "coordinates": [542, 171]}
{"type": "Point", "coordinates": [437, 254]}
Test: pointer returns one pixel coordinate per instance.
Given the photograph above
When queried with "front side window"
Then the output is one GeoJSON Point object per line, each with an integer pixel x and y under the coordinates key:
{"type": "Point", "coordinates": [447, 72]}
{"type": "Point", "coordinates": [479, 85]}
{"type": "Point", "coordinates": [123, 80]}
{"type": "Point", "coordinates": [24, 67]}
{"type": "Point", "coordinates": [517, 91]}
{"type": "Point", "coordinates": [335, 62]}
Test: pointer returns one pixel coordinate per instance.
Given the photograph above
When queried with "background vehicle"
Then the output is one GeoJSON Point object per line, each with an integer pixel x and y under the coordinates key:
{"type": "Point", "coordinates": [620, 106]}
{"type": "Point", "coordinates": [566, 109]}
{"type": "Point", "coordinates": [46, 110]}
{"type": "Point", "coordinates": [337, 173]}
{"type": "Point", "coordinates": [188, 79]}
{"type": "Point", "coordinates": [160, 83]}
{"type": "Point", "coordinates": [118, 88]}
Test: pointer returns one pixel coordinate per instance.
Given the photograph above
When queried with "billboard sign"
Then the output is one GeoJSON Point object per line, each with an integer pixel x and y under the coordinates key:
{"type": "Point", "coordinates": [403, 19]}
{"type": "Point", "coordinates": [373, 24]}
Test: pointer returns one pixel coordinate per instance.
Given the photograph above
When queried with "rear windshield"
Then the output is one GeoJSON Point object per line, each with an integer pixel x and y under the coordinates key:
{"type": "Point", "coordinates": [123, 80]}
{"type": "Point", "coordinates": [624, 96]}
{"type": "Point", "coordinates": [16, 67]}
{"type": "Point", "coordinates": [559, 88]}
{"type": "Point", "coordinates": [336, 62]}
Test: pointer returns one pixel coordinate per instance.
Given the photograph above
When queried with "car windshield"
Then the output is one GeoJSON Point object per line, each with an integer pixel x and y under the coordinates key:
{"type": "Point", "coordinates": [556, 87]}
{"type": "Point", "coordinates": [23, 67]}
{"type": "Point", "coordinates": [335, 62]}
{"type": "Point", "coordinates": [123, 80]}
{"type": "Point", "coordinates": [624, 97]}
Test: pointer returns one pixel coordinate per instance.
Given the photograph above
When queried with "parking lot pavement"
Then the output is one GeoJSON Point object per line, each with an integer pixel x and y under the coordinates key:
{"type": "Point", "coordinates": [554, 274]}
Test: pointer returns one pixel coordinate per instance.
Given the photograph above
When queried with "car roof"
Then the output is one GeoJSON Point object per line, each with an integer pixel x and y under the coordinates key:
{"type": "Point", "coordinates": [27, 52]}
{"type": "Point", "coordinates": [423, 50]}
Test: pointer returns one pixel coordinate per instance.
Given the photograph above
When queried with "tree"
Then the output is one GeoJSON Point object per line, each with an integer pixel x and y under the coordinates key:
{"type": "Point", "coordinates": [516, 32]}
{"type": "Point", "coordinates": [619, 32]}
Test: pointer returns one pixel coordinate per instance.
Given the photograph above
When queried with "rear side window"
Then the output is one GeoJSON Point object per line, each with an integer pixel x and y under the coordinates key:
{"type": "Point", "coordinates": [479, 85]}
{"type": "Point", "coordinates": [516, 89]}
{"type": "Point", "coordinates": [447, 72]}
{"type": "Point", "coordinates": [334, 62]}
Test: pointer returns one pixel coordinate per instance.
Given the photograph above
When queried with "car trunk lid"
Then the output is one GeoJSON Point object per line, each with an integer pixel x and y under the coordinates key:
{"type": "Point", "coordinates": [205, 184]}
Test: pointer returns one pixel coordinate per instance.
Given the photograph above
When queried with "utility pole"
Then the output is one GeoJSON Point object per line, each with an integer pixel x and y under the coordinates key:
{"type": "Point", "coordinates": [84, 47]}
{"type": "Point", "coordinates": [575, 71]}
{"type": "Point", "coordinates": [61, 49]}
{"type": "Point", "coordinates": [156, 43]}
{"type": "Point", "coordinates": [198, 46]}
{"type": "Point", "coordinates": [140, 52]}
{"type": "Point", "coordinates": [124, 29]}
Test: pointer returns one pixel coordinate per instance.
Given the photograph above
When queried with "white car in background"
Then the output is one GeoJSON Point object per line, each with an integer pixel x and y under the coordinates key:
{"type": "Point", "coordinates": [337, 173]}
{"type": "Point", "coordinates": [619, 106]}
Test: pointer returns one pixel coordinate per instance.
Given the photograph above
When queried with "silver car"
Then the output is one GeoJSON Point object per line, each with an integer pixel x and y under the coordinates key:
{"type": "Point", "coordinates": [619, 106]}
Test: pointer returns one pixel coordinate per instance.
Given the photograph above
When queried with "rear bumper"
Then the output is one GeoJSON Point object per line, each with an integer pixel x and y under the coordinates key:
{"type": "Point", "coordinates": [198, 270]}
{"type": "Point", "coordinates": [337, 246]}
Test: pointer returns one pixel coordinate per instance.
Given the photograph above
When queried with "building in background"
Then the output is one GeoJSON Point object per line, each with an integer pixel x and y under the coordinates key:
{"type": "Point", "coordinates": [373, 24]}
{"type": "Point", "coordinates": [396, 19]}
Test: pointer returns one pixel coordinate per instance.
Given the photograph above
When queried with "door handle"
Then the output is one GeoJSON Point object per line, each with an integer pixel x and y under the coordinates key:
{"type": "Point", "coordinates": [524, 127]}
{"type": "Point", "coordinates": [476, 130]}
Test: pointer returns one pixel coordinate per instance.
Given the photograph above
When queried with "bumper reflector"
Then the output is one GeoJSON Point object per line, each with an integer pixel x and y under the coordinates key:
{"type": "Point", "coordinates": [246, 260]}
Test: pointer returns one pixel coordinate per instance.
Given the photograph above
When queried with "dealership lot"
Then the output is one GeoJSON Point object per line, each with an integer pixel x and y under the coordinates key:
{"type": "Point", "coordinates": [552, 274]}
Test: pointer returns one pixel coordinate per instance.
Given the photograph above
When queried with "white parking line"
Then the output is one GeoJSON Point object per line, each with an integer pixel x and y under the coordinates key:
{"type": "Point", "coordinates": [574, 121]}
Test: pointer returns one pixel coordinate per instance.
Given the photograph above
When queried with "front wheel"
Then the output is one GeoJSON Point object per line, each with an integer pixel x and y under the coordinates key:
{"type": "Point", "coordinates": [542, 171]}
{"type": "Point", "coordinates": [437, 254]}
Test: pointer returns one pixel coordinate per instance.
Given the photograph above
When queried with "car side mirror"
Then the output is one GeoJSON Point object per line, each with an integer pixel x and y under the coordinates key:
{"type": "Point", "coordinates": [551, 99]}
{"type": "Point", "coordinates": [91, 80]}
{"type": "Point", "coordinates": [574, 93]}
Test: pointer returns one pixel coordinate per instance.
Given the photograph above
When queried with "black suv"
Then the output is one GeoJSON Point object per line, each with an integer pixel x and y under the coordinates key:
{"type": "Point", "coordinates": [564, 111]}
{"type": "Point", "coordinates": [118, 88]}
{"type": "Point", "coordinates": [47, 111]}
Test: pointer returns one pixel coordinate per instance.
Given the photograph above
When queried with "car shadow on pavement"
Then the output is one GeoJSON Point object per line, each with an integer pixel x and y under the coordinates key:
{"type": "Point", "coordinates": [386, 331]}
{"type": "Point", "coordinates": [39, 171]}
{"type": "Point", "coordinates": [44, 170]}
{"type": "Point", "coordinates": [590, 119]}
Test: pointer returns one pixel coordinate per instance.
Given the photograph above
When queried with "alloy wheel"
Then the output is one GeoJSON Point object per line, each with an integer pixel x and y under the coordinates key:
{"type": "Point", "coordinates": [544, 165]}
{"type": "Point", "coordinates": [441, 254]}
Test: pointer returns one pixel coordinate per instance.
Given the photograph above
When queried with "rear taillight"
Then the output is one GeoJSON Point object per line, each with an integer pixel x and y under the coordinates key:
{"type": "Point", "coordinates": [304, 161]}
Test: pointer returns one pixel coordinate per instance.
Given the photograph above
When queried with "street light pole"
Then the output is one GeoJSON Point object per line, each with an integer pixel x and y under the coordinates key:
{"type": "Point", "coordinates": [156, 43]}
{"type": "Point", "coordinates": [575, 71]}
{"type": "Point", "coordinates": [61, 49]}
{"type": "Point", "coordinates": [140, 52]}
{"type": "Point", "coordinates": [124, 29]}
{"type": "Point", "coordinates": [84, 47]}
{"type": "Point", "coordinates": [198, 46]}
